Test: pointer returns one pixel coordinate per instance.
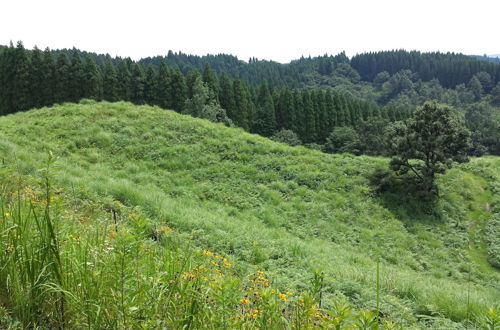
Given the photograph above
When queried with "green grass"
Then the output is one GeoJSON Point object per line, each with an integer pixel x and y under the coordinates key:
{"type": "Point", "coordinates": [266, 206]}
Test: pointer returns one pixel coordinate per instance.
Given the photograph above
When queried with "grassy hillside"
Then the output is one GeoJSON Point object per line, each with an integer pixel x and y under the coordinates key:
{"type": "Point", "coordinates": [311, 221]}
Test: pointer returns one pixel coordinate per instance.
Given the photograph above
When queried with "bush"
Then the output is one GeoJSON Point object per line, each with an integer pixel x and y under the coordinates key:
{"type": "Point", "coordinates": [493, 240]}
{"type": "Point", "coordinates": [287, 136]}
{"type": "Point", "coordinates": [343, 140]}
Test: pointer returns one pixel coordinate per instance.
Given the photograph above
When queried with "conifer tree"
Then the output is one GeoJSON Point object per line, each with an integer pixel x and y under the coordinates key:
{"type": "Point", "coordinates": [138, 84]}
{"type": "Point", "coordinates": [177, 90]}
{"type": "Point", "coordinates": [92, 80]}
{"type": "Point", "coordinates": [202, 105]}
{"type": "Point", "coordinates": [21, 95]}
{"type": "Point", "coordinates": [331, 113]}
{"type": "Point", "coordinates": [49, 74]}
{"type": "Point", "coordinates": [77, 77]}
{"type": "Point", "coordinates": [298, 125]}
{"type": "Point", "coordinates": [242, 105]}
{"type": "Point", "coordinates": [109, 82]}
{"type": "Point", "coordinates": [190, 81]}
{"type": "Point", "coordinates": [150, 88]}
{"type": "Point", "coordinates": [428, 144]}
{"type": "Point", "coordinates": [37, 78]}
{"type": "Point", "coordinates": [124, 81]}
{"type": "Point", "coordinates": [6, 76]}
{"type": "Point", "coordinates": [309, 118]}
{"type": "Point", "coordinates": [226, 97]}
{"type": "Point", "coordinates": [210, 78]}
{"type": "Point", "coordinates": [163, 86]}
{"type": "Point", "coordinates": [62, 79]}
{"type": "Point", "coordinates": [285, 111]}
{"type": "Point", "coordinates": [322, 124]}
{"type": "Point", "coordinates": [265, 122]}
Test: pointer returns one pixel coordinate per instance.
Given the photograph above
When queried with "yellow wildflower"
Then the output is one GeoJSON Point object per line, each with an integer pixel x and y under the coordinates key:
{"type": "Point", "coordinates": [226, 263]}
{"type": "Point", "coordinates": [6, 214]}
{"type": "Point", "coordinates": [165, 229]}
{"type": "Point", "coordinates": [244, 301]}
{"type": "Point", "coordinates": [282, 296]}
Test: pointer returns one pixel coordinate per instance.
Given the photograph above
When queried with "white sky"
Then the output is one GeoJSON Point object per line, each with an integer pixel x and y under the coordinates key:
{"type": "Point", "coordinates": [266, 29]}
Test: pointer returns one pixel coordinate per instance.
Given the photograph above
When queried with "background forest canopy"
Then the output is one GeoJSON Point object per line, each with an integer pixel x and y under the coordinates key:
{"type": "Point", "coordinates": [332, 103]}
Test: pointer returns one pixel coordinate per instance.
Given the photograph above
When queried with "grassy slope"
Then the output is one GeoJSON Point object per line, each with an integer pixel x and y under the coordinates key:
{"type": "Point", "coordinates": [290, 211]}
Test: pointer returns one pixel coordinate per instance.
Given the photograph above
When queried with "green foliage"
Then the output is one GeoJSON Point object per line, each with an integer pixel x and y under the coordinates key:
{"type": "Point", "coordinates": [177, 90]}
{"type": "Point", "coordinates": [265, 121]}
{"type": "Point", "coordinates": [484, 121]}
{"type": "Point", "coordinates": [495, 95]}
{"type": "Point", "coordinates": [287, 136]}
{"type": "Point", "coordinates": [428, 144]}
{"type": "Point", "coordinates": [343, 140]}
{"type": "Point", "coordinates": [261, 205]}
{"type": "Point", "coordinates": [427, 65]}
{"type": "Point", "coordinates": [310, 96]}
{"type": "Point", "coordinates": [476, 88]}
{"type": "Point", "coordinates": [203, 105]}
{"type": "Point", "coordinates": [109, 83]}
{"type": "Point", "coordinates": [492, 233]}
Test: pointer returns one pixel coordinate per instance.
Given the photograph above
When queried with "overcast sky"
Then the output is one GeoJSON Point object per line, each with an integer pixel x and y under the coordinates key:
{"type": "Point", "coordinates": [266, 29]}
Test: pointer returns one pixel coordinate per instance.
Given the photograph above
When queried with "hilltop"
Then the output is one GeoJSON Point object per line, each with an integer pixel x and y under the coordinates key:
{"type": "Point", "coordinates": [296, 214]}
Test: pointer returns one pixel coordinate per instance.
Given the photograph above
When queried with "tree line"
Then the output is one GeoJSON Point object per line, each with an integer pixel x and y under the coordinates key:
{"type": "Point", "coordinates": [33, 79]}
{"type": "Point", "coordinates": [312, 101]}
{"type": "Point", "coordinates": [450, 69]}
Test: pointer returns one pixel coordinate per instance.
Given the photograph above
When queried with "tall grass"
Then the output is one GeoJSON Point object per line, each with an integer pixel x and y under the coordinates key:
{"type": "Point", "coordinates": [71, 263]}
{"type": "Point", "coordinates": [266, 206]}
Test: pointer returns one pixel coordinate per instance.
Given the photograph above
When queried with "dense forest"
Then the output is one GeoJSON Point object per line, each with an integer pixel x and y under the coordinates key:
{"type": "Point", "coordinates": [328, 102]}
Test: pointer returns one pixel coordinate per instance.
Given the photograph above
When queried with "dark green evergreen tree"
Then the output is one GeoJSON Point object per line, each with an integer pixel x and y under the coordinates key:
{"type": "Point", "coordinates": [428, 144]}
{"type": "Point", "coordinates": [242, 105]}
{"type": "Point", "coordinates": [163, 86]}
{"type": "Point", "coordinates": [177, 90]}
{"type": "Point", "coordinates": [298, 125]}
{"type": "Point", "coordinates": [285, 111]}
{"type": "Point", "coordinates": [109, 83]}
{"type": "Point", "coordinates": [265, 122]}
{"type": "Point", "coordinates": [63, 79]}
{"type": "Point", "coordinates": [48, 88]}
{"type": "Point", "coordinates": [202, 105]}
{"type": "Point", "coordinates": [210, 78]}
{"type": "Point", "coordinates": [190, 81]}
{"type": "Point", "coordinates": [21, 94]}
{"type": "Point", "coordinates": [226, 97]}
{"type": "Point", "coordinates": [150, 87]}
{"type": "Point", "coordinates": [37, 78]}
{"type": "Point", "coordinates": [309, 118]}
{"type": "Point", "coordinates": [138, 84]}
{"type": "Point", "coordinates": [6, 78]}
{"type": "Point", "coordinates": [124, 81]}
{"type": "Point", "coordinates": [77, 77]}
{"type": "Point", "coordinates": [92, 80]}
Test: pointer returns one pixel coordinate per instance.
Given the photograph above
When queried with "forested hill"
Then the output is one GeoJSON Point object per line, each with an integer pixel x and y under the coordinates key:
{"type": "Point", "coordinates": [450, 69]}
{"type": "Point", "coordinates": [332, 103]}
{"type": "Point", "coordinates": [490, 58]}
